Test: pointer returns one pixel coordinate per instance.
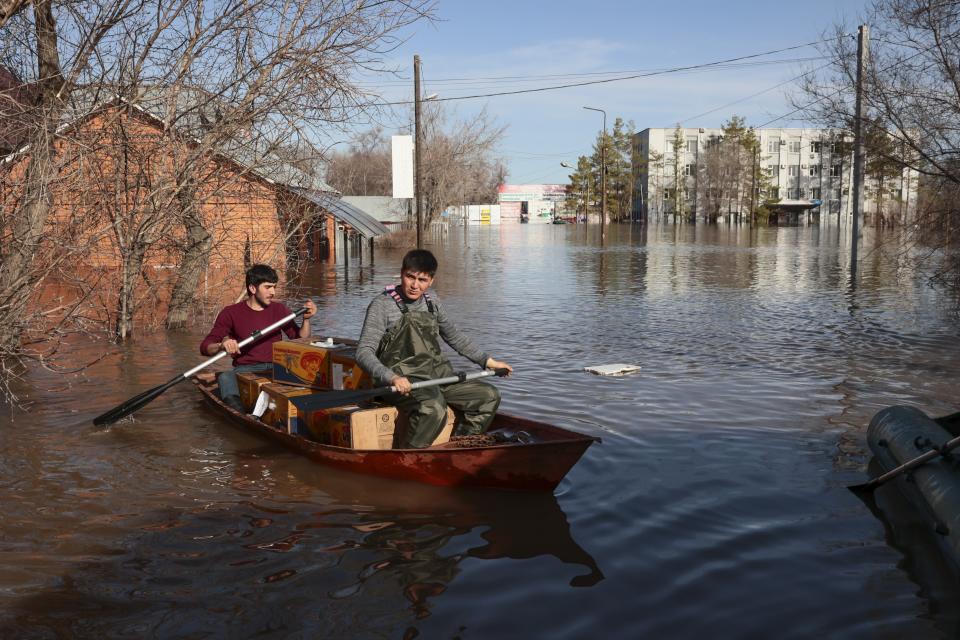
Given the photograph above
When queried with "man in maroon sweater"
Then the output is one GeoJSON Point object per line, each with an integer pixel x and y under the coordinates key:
{"type": "Point", "coordinates": [238, 321]}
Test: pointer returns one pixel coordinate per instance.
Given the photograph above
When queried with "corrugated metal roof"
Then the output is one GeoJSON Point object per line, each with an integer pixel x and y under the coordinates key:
{"type": "Point", "coordinates": [383, 208]}
{"type": "Point", "coordinates": [364, 224]}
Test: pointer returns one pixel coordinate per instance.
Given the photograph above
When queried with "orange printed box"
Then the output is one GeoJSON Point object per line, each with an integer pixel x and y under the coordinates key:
{"type": "Point", "coordinates": [281, 413]}
{"type": "Point", "coordinates": [296, 362]}
{"type": "Point", "coordinates": [330, 426]}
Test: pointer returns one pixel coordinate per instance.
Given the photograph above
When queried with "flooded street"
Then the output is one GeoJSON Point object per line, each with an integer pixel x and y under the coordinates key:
{"type": "Point", "coordinates": [716, 505]}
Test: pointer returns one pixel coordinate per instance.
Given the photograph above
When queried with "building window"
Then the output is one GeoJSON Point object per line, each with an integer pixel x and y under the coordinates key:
{"type": "Point", "coordinates": [774, 170]}
{"type": "Point", "coordinates": [836, 171]}
{"type": "Point", "coordinates": [774, 193]}
{"type": "Point", "coordinates": [836, 147]}
{"type": "Point", "coordinates": [686, 194]}
{"type": "Point", "coordinates": [668, 194]}
{"type": "Point", "coordinates": [794, 146]}
{"type": "Point", "coordinates": [816, 193]}
{"type": "Point", "coordinates": [689, 170]}
{"type": "Point", "coordinates": [692, 145]}
{"type": "Point", "coordinates": [714, 142]}
{"type": "Point", "coordinates": [793, 170]}
{"type": "Point", "coordinates": [898, 194]}
{"type": "Point", "coordinates": [835, 194]}
{"type": "Point", "coordinates": [814, 170]}
{"type": "Point", "coordinates": [793, 194]}
{"type": "Point", "coordinates": [815, 147]}
{"type": "Point", "coordinates": [773, 145]}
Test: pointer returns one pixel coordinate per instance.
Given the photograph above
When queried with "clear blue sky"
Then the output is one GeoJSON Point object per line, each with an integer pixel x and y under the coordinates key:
{"type": "Point", "coordinates": [472, 47]}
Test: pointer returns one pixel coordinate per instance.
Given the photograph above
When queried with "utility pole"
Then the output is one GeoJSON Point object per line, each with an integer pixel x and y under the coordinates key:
{"type": "Point", "coordinates": [603, 181]}
{"type": "Point", "coordinates": [859, 163]}
{"type": "Point", "coordinates": [753, 184]}
{"type": "Point", "coordinates": [417, 184]}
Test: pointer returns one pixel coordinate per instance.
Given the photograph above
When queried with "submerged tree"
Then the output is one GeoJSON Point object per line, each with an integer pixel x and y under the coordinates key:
{"type": "Point", "coordinates": [615, 148]}
{"type": "Point", "coordinates": [679, 195]}
{"type": "Point", "coordinates": [220, 82]}
{"type": "Point", "coordinates": [912, 100]}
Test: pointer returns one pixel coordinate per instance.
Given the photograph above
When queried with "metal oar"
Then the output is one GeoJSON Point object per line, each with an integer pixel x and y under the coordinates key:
{"type": "Point", "coordinates": [144, 398]}
{"type": "Point", "coordinates": [943, 449]}
{"type": "Point", "coordinates": [331, 399]}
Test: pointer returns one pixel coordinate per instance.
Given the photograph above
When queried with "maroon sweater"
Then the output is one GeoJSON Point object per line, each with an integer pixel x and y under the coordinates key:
{"type": "Point", "coordinates": [238, 321]}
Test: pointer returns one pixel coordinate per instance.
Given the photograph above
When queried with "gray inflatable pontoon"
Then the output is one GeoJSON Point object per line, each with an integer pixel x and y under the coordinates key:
{"type": "Point", "coordinates": [899, 434]}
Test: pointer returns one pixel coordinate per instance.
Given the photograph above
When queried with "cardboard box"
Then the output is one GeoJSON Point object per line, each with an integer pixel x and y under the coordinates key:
{"type": "Point", "coordinates": [345, 373]}
{"type": "Point", "coordinates": [358, 428]}
{"type": "Point", "coordinates": [280, 411]}
{"type": "Point", "coordinates": [314, 365]}
{"type": "Point", "coordinates": [301, 363]}
{"type": "Point", "coordinates": [329, 426]}
{"type": "Point", "coordinates": [249, 384]}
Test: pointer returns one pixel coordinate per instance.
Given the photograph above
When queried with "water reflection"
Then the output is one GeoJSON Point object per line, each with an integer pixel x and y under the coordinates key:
{"type": "Point", "coordinates": [294, 541]}
{"type": "Point", "coordinates": [924, 559]}
{"type": "Point", "coordinates": [412, 529]}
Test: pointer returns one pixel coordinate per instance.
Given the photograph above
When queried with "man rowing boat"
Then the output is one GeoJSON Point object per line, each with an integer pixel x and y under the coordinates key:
{"type": "Point", "coordinates": [237, 321]}
{"type": "Point", "coordinates": [399, 343]}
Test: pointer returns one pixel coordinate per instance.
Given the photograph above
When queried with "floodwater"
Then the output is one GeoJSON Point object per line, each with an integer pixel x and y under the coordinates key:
{"type": "Point", "coordinates": [715, 506]}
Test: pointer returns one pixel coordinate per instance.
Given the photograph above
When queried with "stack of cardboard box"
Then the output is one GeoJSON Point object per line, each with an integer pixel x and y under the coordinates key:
{"type": "Point", "coordinates": [302, 367]}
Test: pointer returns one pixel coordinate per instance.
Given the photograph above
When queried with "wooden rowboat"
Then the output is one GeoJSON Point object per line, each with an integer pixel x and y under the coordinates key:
{"type": "Point", "coordinates": [538, 463]}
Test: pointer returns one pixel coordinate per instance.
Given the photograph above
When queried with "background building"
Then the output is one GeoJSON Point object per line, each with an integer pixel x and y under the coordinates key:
{"type": "Point", "coordinates": [542, 201]}
{"type": "Point", "coordinates": [807, 169]}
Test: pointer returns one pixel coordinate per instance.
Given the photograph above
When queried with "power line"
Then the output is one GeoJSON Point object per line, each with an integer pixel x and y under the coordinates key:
{"type": "Point", "coordinates": [754, 95]}
{"type": "Point", "coordinates": [532, 154]}
{"type": "Point", "coordinates": [841, 89]}
{"type": "Point", "coordinates": [499, 80]}
{"type": "Point", "coordinates": [608, 80]}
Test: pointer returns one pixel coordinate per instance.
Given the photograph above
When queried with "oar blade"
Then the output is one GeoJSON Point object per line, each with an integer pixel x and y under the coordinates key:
{"type": "Point", "coordinates": [331, 399]}
{"type": "Point", "coordinates": [133, 404]}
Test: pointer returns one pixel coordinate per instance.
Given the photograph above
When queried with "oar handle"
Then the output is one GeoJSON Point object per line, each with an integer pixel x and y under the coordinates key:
{"type": "Point", "coordinates": [916, 462]}
{"type": "Point", "coordinates": [460, 377]}
{"type": "Point", "coordinates": [144, 398]}
{"type": "Point", "coordinates": [253, 336]}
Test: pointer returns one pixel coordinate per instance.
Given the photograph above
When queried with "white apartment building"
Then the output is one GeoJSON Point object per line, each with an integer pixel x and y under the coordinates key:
{"type": "Point", "coordinates": [806, 168]}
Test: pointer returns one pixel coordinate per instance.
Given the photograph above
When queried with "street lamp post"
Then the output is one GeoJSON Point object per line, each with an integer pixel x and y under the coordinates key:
{"type": "Point", "coordinates": [603, 175]}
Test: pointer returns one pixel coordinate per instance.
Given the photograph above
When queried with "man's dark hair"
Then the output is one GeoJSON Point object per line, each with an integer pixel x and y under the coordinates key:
{"type": "Point", "coordinates": [419, 261]}
{"type": "Point", "coordinates": [260, 273]}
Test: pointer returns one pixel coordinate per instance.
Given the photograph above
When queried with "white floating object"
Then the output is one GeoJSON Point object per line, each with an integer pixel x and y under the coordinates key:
{"type": "Point", "coordinates": [613, 369]}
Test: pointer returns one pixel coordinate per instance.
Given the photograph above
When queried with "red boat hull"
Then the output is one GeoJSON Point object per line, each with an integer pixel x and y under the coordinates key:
{"type": "Point", "coordinates": [538, 465]}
